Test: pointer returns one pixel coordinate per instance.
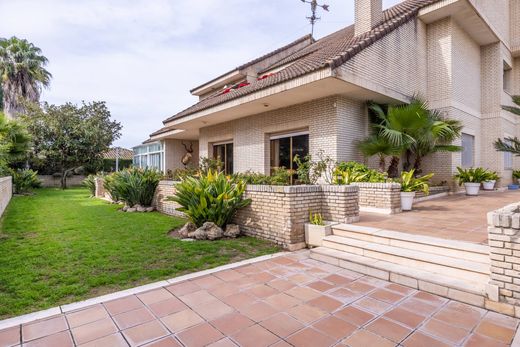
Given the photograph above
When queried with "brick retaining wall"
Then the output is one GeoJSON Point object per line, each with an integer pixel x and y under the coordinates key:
{"type": "Point", "coordinates": [6, 192]}
{"type": "Point", "coordinates": [165, 189]}
{"type": "Point", "coordinates": [379, 197]}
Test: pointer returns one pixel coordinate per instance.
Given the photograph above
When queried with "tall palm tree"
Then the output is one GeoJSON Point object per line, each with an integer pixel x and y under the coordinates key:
{"type": "Point", "coordinates": [14, 141]}
{"type": "Point", "coordinates": [22, 72]}
{"type": "Point", "coordinates": [510, 144]}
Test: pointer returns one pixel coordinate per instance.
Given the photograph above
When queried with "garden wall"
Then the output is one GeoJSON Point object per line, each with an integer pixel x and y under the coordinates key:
{"type": "Point", "coordinates": [51, 181]}
{"type": "Point", "coordinates": [6, 192]}
{"type": "Point", "coordinates": [379, 197]}
{"type": "Point", "coordinates": [165, 189]}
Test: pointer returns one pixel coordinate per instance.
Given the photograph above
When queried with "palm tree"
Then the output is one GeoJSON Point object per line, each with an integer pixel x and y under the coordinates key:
{"type": "Point", "coordinates": [14, 141]}
{"type": "Point", "coordinates": [510, 144]}
{"type": "Point", "coordinates": [23, 74]}
{"type": "Point", "coordinates": [375, 145]}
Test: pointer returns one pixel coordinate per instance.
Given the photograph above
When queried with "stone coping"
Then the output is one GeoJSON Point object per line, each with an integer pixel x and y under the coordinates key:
{"type": "Point", "coordinates": [5, 178]}
{"type": "Point", "coordinates": [506, 217]}
{"type": "Point", "coordinates": [377, 184]}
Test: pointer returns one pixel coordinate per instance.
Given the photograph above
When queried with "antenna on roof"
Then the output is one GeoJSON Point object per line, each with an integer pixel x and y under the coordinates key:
{"type": "Point", "coordinates": [314, 7]}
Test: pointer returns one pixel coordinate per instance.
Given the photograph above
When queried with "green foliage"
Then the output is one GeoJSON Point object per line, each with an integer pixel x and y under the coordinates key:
{"type": "Point", "coordinates": [348, 175]}
{"type": "Point", "coordinates": [509, 144]}
{"type": "Point", "coordinates": [90, 183]}
{"type": "Point", "coordinates": [513, 109]}
{"type": "Point", "coordinates": [493, 176]}
{"type": "Point", "coordinates": [472, 175]}
{"type": "Point", "coordinates": [250, 177]}
{"type": "Point", "coordinates": [363, 171]}
{"type": "Point", "coordinates": [210, 198]}
{"type": "Point", "coordinates": [180, 174]}
{"type": "Point", "coordinates": [316, 218]}
{"type": "Point", "coordinates": [14, 141]}
{"type": "Point", "coordinates": [209, 164]}
{"type": "Point", "coordinates": [309, 171]}
{"type": "Point", "coordinates": [25, 180]}
{"type": "Point", "coordinates": [410, 183]}
{"type": "Point", "coordinates": [133, 186]}
{"type": "Point", "coordinates": [516, 174]}
{"type": "Point", "coordinates": [281, 177]}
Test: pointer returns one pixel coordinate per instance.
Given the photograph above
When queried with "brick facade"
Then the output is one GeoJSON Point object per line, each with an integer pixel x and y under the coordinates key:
{"type": "Point", "coordinates": [6, 192]}
{"type": "Point", "coordinates": [165, 189]}
{"type": "Point", "coordinates": [380, 197]}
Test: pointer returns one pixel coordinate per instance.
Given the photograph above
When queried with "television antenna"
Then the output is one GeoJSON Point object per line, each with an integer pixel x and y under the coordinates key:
{"type": "Point", "coordinates": [314, 8]}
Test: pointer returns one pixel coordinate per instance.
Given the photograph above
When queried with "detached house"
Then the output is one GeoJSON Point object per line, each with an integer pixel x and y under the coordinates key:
{"type": "Point", "coordinates": [463, 56]}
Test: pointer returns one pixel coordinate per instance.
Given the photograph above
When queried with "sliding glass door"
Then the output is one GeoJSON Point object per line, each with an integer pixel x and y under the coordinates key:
{"type": "Point", "coordinates": [285, 147]}
{"type": "Point", "coordinates": [224, 153]}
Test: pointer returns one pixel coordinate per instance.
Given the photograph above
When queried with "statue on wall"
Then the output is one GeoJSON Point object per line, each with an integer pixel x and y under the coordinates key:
{"type": "Point", "coordinates": [186, 158]}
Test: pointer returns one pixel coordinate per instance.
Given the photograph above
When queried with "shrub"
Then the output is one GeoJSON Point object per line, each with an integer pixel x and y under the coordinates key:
{"type": "Point", "coordinates": [409, 183]}
{"type": "Point", "coordinates": [212, 197]}
{"type": "Point", "coordinates": [310, 171]}
{"type": "Point", "coordinates": [516, 174]}
{"type": "Point", "coordinates": [25, 180]}
{"type": "Point", "coordinates": [472, 175]}
{"type": "Point", "coordinates": [250, 177]}
{"type": "Point", "coordinates": [90, 183]}
{"type": "Point", "coordinates": [179, 174]}
{"type": "Point", "coordinates": [367, 174]}
{"type": "Point", "coordinates": [133, 186]}
{"type": "Point", "coordinates": [348, 175]}
{"type": "Point", "coordinates": [316, 219]}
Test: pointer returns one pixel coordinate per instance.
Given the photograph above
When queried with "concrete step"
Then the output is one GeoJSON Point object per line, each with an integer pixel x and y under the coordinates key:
{"type": "Point", "coordinates": [448, 248]}
{"type": "Point", "coordinates": [435, 263]}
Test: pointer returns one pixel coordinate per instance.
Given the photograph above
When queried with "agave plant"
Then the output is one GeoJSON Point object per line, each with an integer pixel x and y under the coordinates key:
{"type": "Point", "coordinates": [409, 183]}
{"type": "Point", "coordinates": [212, 197]}
{"type": "Point", "coordinates": [25, 180]}
{"type": "Point", "coordinates": [472, 175]}
{"type": "Point", "coordinates": [133, 186]}
{"type": "Point", "coordinates": [90, 183]}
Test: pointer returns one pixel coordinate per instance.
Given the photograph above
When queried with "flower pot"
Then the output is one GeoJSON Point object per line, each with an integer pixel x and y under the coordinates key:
{"type": "Point", "coordinates": [513, 186]}
{"type": "Point", "coordinates": [314, 234]}
{"type": "Point", "coordinates": [472, 188]}
{"type": "Point", "coordinates": [407, 200]}
{"type": "Point", "coordinates": [488, 185]}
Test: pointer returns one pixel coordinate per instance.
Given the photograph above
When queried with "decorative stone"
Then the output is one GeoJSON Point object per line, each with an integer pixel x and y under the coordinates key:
{"type": "Point", "coordinates": [125, 208]}
{"type": "Point", "coordinates": [131, 209]}
{"type": "Point", "coordinates": [208, 231]}
{"type": "Point", "coordinates": [187, 229]}
{"type": "Point", "coordinates": [232, 230]}
{"type": "Point", "coordinates": [140, 208]}
{"type": "Point", "coordinates": [150, 209]}
{"type": "Point", "coordinates": [198, 234]}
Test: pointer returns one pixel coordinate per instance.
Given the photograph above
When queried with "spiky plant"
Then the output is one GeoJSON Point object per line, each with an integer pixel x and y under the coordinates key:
{"type": "Point", "coordinates": [510, 144]}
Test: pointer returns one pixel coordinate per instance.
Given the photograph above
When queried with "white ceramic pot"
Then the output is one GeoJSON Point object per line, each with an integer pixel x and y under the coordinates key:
{"type": "Point", "coordinates": [472, 188]}
{"type": "Point", "coordinates": [489, 185]}
{"type": "Point", "coordinates": [407, 200]}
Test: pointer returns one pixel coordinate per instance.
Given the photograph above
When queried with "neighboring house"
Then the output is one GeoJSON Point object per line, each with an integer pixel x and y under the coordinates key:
{"type": "Point", "coordinates": [124, 158]}
{"type": "Point", "coordinates": [463, 56]}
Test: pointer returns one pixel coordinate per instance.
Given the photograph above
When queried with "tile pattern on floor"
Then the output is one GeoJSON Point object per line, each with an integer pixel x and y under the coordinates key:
{"type": "Point", "coordinates": [285, 301]}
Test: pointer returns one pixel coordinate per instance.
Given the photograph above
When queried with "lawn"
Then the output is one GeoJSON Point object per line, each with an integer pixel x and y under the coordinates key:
{"type": "Point", "coordinates": [58, 247]}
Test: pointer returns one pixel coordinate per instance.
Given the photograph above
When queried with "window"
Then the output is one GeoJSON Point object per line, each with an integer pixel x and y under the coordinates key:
{"type": "Point", "coordinates": [285, 147]}
{"type": "Point", "coordinates": [149, 155]}
{"type": "Point", "coordinates": [508, 157]}
{"type": "Point", "coordinates": [224, 153]}
{"type": "Point", "coordinates": [468, 146]}
{"type": "Point", "coordinates": [507, 78]}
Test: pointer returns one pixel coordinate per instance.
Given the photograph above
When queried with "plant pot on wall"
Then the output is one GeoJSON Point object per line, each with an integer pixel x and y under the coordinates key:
{"type": "Point", "coordinates": [314, 234]}
{"type": "Point", "coordinates": [407, 200]}
{"type": "Point", "coordinates": [472, 188]}
{"type": "Point", "coordinates": [489, 185]}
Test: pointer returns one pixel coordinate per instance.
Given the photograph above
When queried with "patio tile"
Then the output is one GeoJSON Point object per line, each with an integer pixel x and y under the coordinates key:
{"type": "Point", "coordinates": [418, 339]}
{"type": "Point", "coordinates": [282, 260]}
{"type": "Point", "coordinates": [418, 306]}
{"type": "Point", "coordinates": [281, 284]}
{"type": "Point", "coordinates": [239, 301]}
{"type": "Point", "coordinates": [145, 333]}
{"type": "Point", "coordinates": [345, 295]}
{"type": "Point", "coordinates": [61, 339]}
{"type": "Point", "coordinates": [225, 342]}
{"type": "Point", "coordinates": [282, 301]}
{"type": "Point", "coordinates": [372, 305]}
{"type": "Point", "coordinates": [338, 280]}
{"type": "Point", "coordinates": [125, 304]}
{"type": "Point", "coordinates": [155, 296]}
{"type": "Point", "coordinates": [200, 335]}
{"type": "Point", "coordinates": [87, 315]}
{"type": "Point", "coordinates": [399, 289]}
{"type": "Point", "coordinates": [301, 278]}
{"type": "Point", "coordinates": [229, 275]}
{"type": "Point", "coordinates": [389, 330]}
{"type": "Point", "coordinates": [169, 341]}
{"type": "Point", "coordinates": [477, 340]}
{"type": "Point", "coordinates": [197, 298]}
{"type": "Point", "coordinates": [10, 337]}
{"type": "Point", "coordinates": [306, 313]}
{"type": "Point", "coordinates": [183, 288]}
{"type": "Point", "coordinates": [431, 299]}
{"type": "Point", "coordinates": [405, 317]}
{"type": "Point", "coordinates": [281, 343]}
{"type": "Point", "coordinates": [386, 296]}
{"type": "Point", "coordinates": [335, 327]}
{"type": "Point", "coordinates": [444, 331]}
{"type": "Point", "coordinates": [262, 291]}
{"type": "Point", "coordinates": [460, 315]}
{"type": "Point", "coordinates": [114, 340]}
{"type": "Point", "coordinates": [223, 290]}
{"type": "Point", "coordinates": [232, 323]}
{"type": "Point", "coordinates": [359, 287]}
{"type": "Point", "coordinates": [282, 325]}
{"type": "Point", "coordinates": [321, 286]}
{"type": "Point", "coordinates": [166, 307]}
{"type": "Point", "coordinates": [309, 337]}
{"type": "Point", "coordinates": [256, 336]}
{"type": "Point", "coordinates": [35, 330]}
{"type": "Point", "coordinates": [258, 311]}
{"type": "Point", "coordinates": [132, 318]}
{"type": "Point", "coordinates": [494, 331]}
{"type": "Point", "coordinates": [213, 309]}
{"type": "Point", "coordinates": [181, 320]}
{"type": "Point", "coordinates": [502, 320]}
{"type": "Point", "coordinates": [262, 277]}
{"type": "Point", "coordinates": [93, 331]}
{"type": "Point", "coordinates": [364, 338]}
{"type": "Point", "coordinates": [325, 303]}
{"type": "Point", "coordinates": [207, 282]}
{"type": "Point", "coordinates": [303, 293]}
{"type": "Point", "coordinates": [354, 315]}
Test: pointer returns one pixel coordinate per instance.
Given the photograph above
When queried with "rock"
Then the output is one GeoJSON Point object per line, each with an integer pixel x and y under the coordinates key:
{"type": "Point", "coordinates": [131, 209]}
{"type": "Point", "coordinates": [232, 230]}
{"type": "Point", "coordinates": [140, 208]}
{"type": "Point", "coordinates": [187, 229]}
{"type": "Point", "coordinates": [208, 231]}
{"type": "Point", "coordinates": [125, 208]}
{"type": "Point", "coordinates": [198, 234]}
{"type": "Point", "coordinates": [188, 239]}
{"type": "Point", "coordinates": [150, 209]}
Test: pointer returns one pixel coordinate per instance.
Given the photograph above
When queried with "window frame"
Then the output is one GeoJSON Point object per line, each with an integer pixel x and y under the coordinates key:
{"type": "Point", "coordinates": [225, 159]}
{"type": "Point", "coordinates": [290, 135]}
{"type": "Point", "coordinates": [462, 164]}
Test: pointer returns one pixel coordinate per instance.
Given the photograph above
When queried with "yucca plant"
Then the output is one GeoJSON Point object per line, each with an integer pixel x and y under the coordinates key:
{"type": "Point", "coordinates": [133, 186]}
{"type": "Point", "coordinates": [409, 183]}
{"type": "Point", "coordinates": [471, 175]}
{"type": "Point", "coordinates": [212, 197]}
{"type": "Point", "coordinates": [90, 183]}
{"type": "Point", "coordinates": [25, 180]}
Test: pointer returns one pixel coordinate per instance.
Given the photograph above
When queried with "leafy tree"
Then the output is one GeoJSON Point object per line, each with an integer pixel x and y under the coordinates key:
{"type": "Point", "coordinates": [70, 136]}
{"type": "Point", "coordinates": [22, 72]}
{"type": "Point", "coordinates": [14, 142]}
{"type": "Point", "coordinates": [510, 144]}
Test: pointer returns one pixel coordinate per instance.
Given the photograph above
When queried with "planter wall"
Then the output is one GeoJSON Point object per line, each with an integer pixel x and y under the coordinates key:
{"type": "Point", "coordinates": [6, 192]}
{"type": "Point", "coordinates": [165, 189]}
{"type": "Point", "coordinates": [50, 181]}
{"type": "Point", "coordinates": [379, 197]}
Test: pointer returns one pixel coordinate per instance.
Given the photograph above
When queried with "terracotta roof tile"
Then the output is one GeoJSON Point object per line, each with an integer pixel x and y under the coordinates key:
{"type": "Point", "coordinates": [123, 153]}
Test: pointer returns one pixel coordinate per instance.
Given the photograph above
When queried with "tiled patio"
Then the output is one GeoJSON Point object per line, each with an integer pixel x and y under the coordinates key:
{"type": "Point", "coordinates": [285, 301]}
{"type": "Point", "coordinates": [457, 217]}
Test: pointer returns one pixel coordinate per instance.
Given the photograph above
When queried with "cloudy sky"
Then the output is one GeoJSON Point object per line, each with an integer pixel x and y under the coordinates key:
{"type": "Point", "coordinates": [143, 56]}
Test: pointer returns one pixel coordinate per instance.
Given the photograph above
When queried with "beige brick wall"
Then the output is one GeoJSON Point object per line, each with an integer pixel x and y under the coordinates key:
{"type": "Point", "coordinates": [515, 28]}
{"type": "Point", "coordinates": [164, 190]}
{"type": "Point", "coordinates": [380, 197]}
{"type": "Point", "coordinates": [496, 13]}
{"type": "Point", "coordinates": [368, 14]}
{"type": "Point", "coordinates": [6, 192]}
{"type": "Point", "coordinates": [174, 151]}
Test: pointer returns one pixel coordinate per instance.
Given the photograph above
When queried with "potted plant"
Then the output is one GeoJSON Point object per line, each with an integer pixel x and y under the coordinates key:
{"type": "Point", "coordinates": [489, 183]}
{"type": "Point", "coordinates": [471, 179]}
{"type": "Point", "coordinates": [410, 185]}
{"type": "Point", "coordinates": [316, 230]}
{"type": "Point", "coordinates": [516, 177]}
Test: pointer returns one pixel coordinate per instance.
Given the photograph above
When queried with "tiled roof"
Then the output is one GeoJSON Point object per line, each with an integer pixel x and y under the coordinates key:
{"type": "Point", "coordinates": [123, 153]}
{"type": "Point", "coordinates": [162, 131]}
{"type": "Point", "coordinates": [331, 51]}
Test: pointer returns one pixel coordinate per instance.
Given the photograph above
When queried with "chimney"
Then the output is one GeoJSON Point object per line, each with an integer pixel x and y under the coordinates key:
{"type": "Point", "coordinates": [368, 14]}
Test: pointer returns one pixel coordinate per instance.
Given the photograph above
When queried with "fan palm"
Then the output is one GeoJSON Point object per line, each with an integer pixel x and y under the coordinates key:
{"type": "Point", "coordinates": [510, 144]}
{"type": "Point", "coordinates": [375, 145]}
{"type": "Point", "coordinates": [22, 72]}
{"type": "Point", "coordinates": [14, 141]}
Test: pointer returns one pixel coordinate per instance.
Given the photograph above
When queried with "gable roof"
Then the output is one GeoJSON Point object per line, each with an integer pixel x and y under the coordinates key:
{"type": "Point", "coordinates": [331, 51]}
{"type": "Point", "coordinates": [123, 153]}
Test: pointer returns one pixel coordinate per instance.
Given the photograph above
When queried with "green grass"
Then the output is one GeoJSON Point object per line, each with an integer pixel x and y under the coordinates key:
{"type": "Point", "coordinates": [58, 247]}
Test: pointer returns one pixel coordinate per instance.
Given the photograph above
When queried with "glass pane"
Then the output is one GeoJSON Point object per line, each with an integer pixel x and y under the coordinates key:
{"type": "Point", "coordinates": [468, 143]}
{"type": "Point", "coordinates": [219, 152]}
{"type": "Point", "coordinates": [300, 147]}
{"type": "Point", "coordinates": [229, 159]}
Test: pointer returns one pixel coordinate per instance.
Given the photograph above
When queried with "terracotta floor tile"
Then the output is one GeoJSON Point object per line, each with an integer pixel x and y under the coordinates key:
{"type": "Point", "coordinates": [87, 315]}
{"type": "Point", "coordinates": [309, 337]}
{"type": "Point", "coordinates": [281, 343]}
{"type": "Point", "coordinates": [364, 338]}
{"type": "Point", "coordinates": [301, 278]}
{"type": "Point", "coordinates": [10, 337]}
{"type": "Point", "coordinates": [207, 282]}
{"type": "Point", "coordinates": [200, 335]}
{"type": "Point", "coordinates": [232, 323]}
{"type": "Point", "coordinates": [62, 339]}
{"type": "Point", "coordinates": [223, 290]}
{"type": "Point", "coordinates": [386, 296]}
{"type": "Point", "coordinates": [444, 331]}
{"type": "Point", "coordinates": [248, 269]}
{"type": "Point", "coordinates": [169, 341]}
{"type": "Point", "coordinates": [354, 315]}
{"type": "Point", "coordinates": [239, 301]}
{"type": "Point", "coordinates": [399, 289]}
{"type": "Point", "coordinates": [197, 298]}
{"type": "Point", "coordinates": [167, 307]}
{"type": "Point", "coordinates": [262, 291]}
{"type": "Point", "coordinates": [256, 336]}
{"type": "Point", "coordinates": [346, 296]}
{"type": "Point", "coordinates": [389, 330]}
{"type": "Point", "coordinates": [41, 328]}
{"type": "Point", "coordinates": [282, 325]}
{"type": "Point", "coordinates": [213, 309]}
{"type": "Point", "coordinates": [183, 288]}
{"type": "Point", "coordinates": [418, 306]}
{"type": "Point", "coordinates": [326, 303]}
{"type": "Point", "coordinates": [155, 296]}
{"type": "Point", "coordinates": [477, 340]}
{"type": "Point", "coordinates": [418, 339]}
{"type": "Point", "coordinates": [359, 287]}
{"type": "Point", "coordinates": [431, 299]}
{"type": "Point", "coordinates": [405, 317]}
{"type": "Point", "coordinates": [181, 320]}
{"type": "Point", "coordinates": [259, 311]}
{"type": "Point", "coordinates": [303, 293]}
{"type": "Point", "coordinates": [280, 284]}
{"type": "Point", "coordinates": [145, 333]}
{"type": "Point", "coordinates": [262, 277]}
{"type": "Point", "coordinates": [372, 305]}
{"type": "Point", "coordinates": [321, 286]}
{"type": "Point", "coordinates": [93, 331]}
{"type": "Point", "coordinates": [228, 275]}
{"type": "Point", "coordinates": [225, 342]}
{"type": "Point", "coordinates": [338, 280]}
{"type": "Point", "coordinates": [502, 320]}
{"type": "Point", "coordinates": [125, 304]}
{"type": "Point", "coordinates": [114, 340]}
{"type": "Point", "coordinates": [282, 301]}
{"type": "Point", "coordinates": [494, 331]}
{"type": "Point", "coordinates": [132, 318]}
{"type": "Point", "coordinates": [282, 260]}
{"type": "Point", "coordinates": [335, 327]}
{"type": "Point", "coordinates": [306, 313]}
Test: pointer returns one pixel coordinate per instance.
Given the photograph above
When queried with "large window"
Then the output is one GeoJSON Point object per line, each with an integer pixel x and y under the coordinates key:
{"type": "Point", "coordinates": [508, 157]}
{"type": "Point", "coordinates": [285, 147]}
{"type": "Point", "coordinates": [468, 150]}
{"type": "Point", "coordinates": [149, 155]}
{"type": "Point", "coordinates": [224, 153]}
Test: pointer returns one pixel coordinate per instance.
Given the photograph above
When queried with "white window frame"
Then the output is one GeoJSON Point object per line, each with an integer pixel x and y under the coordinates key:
{"type": "Point", "coordinates": [147, 153]}
{"type": "Point", "coordinates": [508, 156]}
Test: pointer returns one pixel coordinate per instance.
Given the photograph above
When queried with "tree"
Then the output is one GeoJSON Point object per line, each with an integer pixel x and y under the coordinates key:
{"type": "Point", "coordinates": [510, 144]}
{"type": "Point", "coordinates": [14, 142]}
{"type": "Point", "coordinates": [70, 136]}
{"type": "Point", "coordinates": [376, 145]}
{"type": "Point", "coordinates": [23, 74]}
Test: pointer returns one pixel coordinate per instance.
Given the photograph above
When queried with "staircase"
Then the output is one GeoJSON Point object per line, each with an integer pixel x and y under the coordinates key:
{"type": "Point", "coordinates": [454, 269]}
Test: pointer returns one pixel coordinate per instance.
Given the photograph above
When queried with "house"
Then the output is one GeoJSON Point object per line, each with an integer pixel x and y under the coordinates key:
{"type": "Point", "coordinates": [309, 96]}
{"type": "Point", "coordinates": [117, 158]}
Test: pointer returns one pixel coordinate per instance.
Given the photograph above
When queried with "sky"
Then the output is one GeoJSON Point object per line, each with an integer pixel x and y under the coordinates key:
{"type": "Point", "coordinates": [143, 56]}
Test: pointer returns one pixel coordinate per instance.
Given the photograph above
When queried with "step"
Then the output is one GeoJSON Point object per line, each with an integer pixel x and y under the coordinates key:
{"type": "Point", "coordinates": [449, 248]}
{"type": "Point", "coordinates": [471, 292]}
{"type": "Point", "coordinates": [435, 263]}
